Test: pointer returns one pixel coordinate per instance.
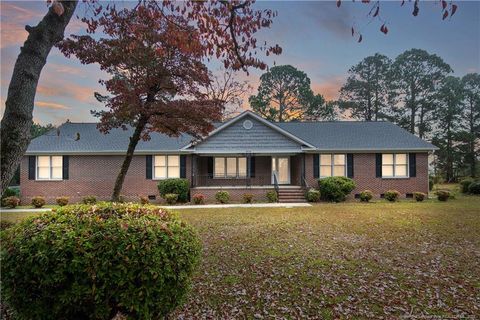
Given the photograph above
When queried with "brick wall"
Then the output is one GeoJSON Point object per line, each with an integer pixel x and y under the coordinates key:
{"type": "Point", "coordinates": [364, 175]}
{"type": "Point", "coordinates": [92, 175]}
{"type": "Point", "coordinates": [95, 175]}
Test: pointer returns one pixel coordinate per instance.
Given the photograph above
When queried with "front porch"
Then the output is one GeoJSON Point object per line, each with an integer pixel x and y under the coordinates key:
{"type": "Point", "coordinates": [247, 171]}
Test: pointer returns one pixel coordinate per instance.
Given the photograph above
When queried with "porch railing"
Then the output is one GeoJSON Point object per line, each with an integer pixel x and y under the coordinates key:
{"type": "Point", "coordinates": [215, 181]}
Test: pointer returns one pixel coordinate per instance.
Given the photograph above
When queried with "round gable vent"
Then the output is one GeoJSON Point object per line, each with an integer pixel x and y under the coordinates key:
{"type": "Point", "coordinates": [247, 124]}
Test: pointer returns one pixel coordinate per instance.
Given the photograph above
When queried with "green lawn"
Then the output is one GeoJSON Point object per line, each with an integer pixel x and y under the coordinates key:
{"type": "Point", "coordinates": [337, 261]}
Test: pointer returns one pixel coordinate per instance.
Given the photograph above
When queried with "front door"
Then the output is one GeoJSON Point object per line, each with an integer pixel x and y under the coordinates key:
{"type": "Point", "coordinates": [281, 167]}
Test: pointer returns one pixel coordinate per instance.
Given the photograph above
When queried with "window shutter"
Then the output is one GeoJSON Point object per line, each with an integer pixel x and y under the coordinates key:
{"type": "Point", "coordinates": [32, 163]}
{"type": "Point", "coordinates": [210, 167]}
{"type": "Point", "coordinates": [412, 164]}
{"type": "Point", "coordinates": [316, 166]}
{"type": "Point", "coordinates": [65, 167]}
{"type": "Point", "coordinates": [350, 165]}
{"type": "Point", "coordinates": [183, 166]}
{"type": "Point", "coordinates": [149, 170]}
{"type": "Point", "coordinates": [378, 165]}
{"type": "Point", "coordinates": [252, 167]}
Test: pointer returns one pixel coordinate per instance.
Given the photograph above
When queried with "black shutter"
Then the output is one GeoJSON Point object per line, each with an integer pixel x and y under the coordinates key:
{"type": "Point", "coordinates": [378, 165]}
{"type": "Point", "coordinates": [350, 165]}
{"type": "Point", "coordinates": [183, 166]}
{"type": "Point", "coordinates": [65, 167]}
{"type": "Point", "coordinates": [316, 165]}
{"type": "Point", "coordinates": [412, 164]}
{"type": "Point", "coordinates": [210, 167]}
{"type": "Point", "coordinates": [252, 167]}
{"type": "Point", "coordinates": [149, 167]}
{"type": "Point", "coordinates": [32, 163]}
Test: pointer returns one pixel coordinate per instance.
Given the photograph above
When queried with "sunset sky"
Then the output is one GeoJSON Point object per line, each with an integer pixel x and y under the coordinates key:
{"type": "Point", "coordinates": [315, 37]}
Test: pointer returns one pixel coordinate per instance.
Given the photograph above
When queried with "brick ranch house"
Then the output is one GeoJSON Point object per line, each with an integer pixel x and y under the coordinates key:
{"type": "Point", "coordinates": [246, 154]}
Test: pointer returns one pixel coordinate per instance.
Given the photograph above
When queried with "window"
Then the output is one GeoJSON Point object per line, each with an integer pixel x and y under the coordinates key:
{"type": "Point", "coordinates": [332, 165]}
{"type": "Point", "coordinates": [394, 165]}
{"type": "Point", "coordinates": [166, 167]}
{"type": "Point", "coordinates": [230, 167]}
{"type": "Point", "coordinates": [49, 167]}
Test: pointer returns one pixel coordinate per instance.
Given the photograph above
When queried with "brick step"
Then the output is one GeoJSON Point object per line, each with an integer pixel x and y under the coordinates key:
{"type": "Point", "coordinates": [291, 191]}
{"type": "Point", "coordinates": [292, 196]}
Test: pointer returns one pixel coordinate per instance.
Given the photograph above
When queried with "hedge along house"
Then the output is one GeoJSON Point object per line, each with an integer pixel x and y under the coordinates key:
{"type": "Point", "coordinates": [246, 154]}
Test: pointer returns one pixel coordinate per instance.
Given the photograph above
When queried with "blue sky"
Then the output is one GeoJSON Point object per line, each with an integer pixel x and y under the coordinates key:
{"type": "Point", "coordinates": [315, 37]}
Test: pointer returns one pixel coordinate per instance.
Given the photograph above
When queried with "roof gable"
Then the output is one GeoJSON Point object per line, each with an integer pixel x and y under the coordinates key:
{"type": "Point", "coordinates": [236, 136]}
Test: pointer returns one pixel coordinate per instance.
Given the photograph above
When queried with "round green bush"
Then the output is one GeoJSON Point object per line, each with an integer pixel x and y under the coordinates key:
{"type": "Point", "coordinates": [222, 196]}
{"type": "Point", "coordinates": [11, 202]}
{"type": "Point", "coordinates": [335, 189]}
{"type": "Point", "coordinates": [175, 185]}
{"type": "Point", "coordinates": [272, 196]}
{"type": "Point", "coordinates": [171, 198]}
{"type": "Point", "coordinates": [392, 195]}
{"type": "Point", "coordinates": [465, 184]}
{"type": "Point", "coordinates": [443, 195]}
{"type": "Point", "coordinates": [419, 196]}
{"type": "Point", "coordinates": [62, 201]}
{"type": "Point", "coordinates": [366, 196]}
{"type": "Point", "coordinates": [89, 200]}
{"type": "Point", "coordinates": [92, 262]}
{"type": "Point", "coordinates": [474, 187]}
{"type": "Point", "coordinates": [9, 192]}
{"type": "Point", "coordinates": [312, 195]}
{"type": "Point", "coordinates": [247, 198]}
{"type": "Point", "coordinates": [38, 201]}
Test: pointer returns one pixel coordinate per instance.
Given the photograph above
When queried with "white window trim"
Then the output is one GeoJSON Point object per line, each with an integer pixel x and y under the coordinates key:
{"type": "Point", "coordinates": [407, 155]}
{"type": "Point", "coordinates": [332, 164]}
{"type": "Point", "coordinates": [237, 171]}
{"type": "Point", "coordinates": [50, 169]}
{"type": "Point", "coordinates": [166, 166]}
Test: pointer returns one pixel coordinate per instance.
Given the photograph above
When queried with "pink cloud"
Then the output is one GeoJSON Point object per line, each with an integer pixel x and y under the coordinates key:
{"type": "Point", "coordinates": [330, 88]}
{"type": "Point", "coordinates": [50, 105]}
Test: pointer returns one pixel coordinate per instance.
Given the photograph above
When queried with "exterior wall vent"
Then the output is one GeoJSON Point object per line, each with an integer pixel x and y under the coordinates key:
{"type": "Point", "coordinates": [247, 124]}
{"type": "Point", "coordinates": [152, 197]}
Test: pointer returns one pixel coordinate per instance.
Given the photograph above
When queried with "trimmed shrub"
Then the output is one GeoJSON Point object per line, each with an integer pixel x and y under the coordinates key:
{"type": "Point", "coordinates": [177, 186]}
{"type": "Point", "coordinates": [474, 187]}
{"type": "Point", "coordinates": [419, 196]}
{"type": "Point", "coordinates": [312, 195]}
{"type": "Point", "coordinates": [90, 262]}
{"type": "Point", "coordinates": [443, 195]}
{"type": "Point", "coordinates": [38, 201]}
{"type": "Point", "coordinates": [171, 198]}
{"type": "Point", "coordinates": [465, 184]}
{"type": "Point", "coordinates": [9, 192]}
{"type": "Point", "coordinates": [392, 195]}
{"type": "Point", "coordinates": [247, 198]}
{"type": "Point", "coordinates": [222, 196]}
{"type": "Point", "coordinates": [89, 200]}
{"type": "Point", "coordinates": [62, 201]}
{"type": "Point", "coordinates": [366, 196]}
{"type": "Point", "coordinates": [335, 189]}
{"type": "Point", "coordinates": [11, 202]}
{"type": "Point", "coordinates": [272, 196]}
{"type": "Point", "coordinates": [144, 200]}
{"type": "Point", "coordinates": [198, 198]}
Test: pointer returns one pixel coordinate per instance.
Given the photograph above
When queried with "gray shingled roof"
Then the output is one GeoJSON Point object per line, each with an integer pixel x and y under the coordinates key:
{"type": "Point", "coordinates": [356, 135]}
{"type": "Point", "coordinates": [340, 135]}
{"type": "Point", "coordinates": [93, 141]}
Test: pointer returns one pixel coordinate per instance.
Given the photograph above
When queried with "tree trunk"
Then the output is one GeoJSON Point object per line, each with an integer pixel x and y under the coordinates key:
{"type": "Point", "coordinates": [17, 118]}
{"type": "Point", "coordinates": [128, 158]}
{"type": "Point", "coordinates": [472, 139]}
